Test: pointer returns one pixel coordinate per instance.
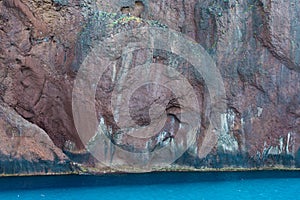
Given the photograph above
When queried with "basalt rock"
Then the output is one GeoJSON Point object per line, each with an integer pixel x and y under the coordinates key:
{"type": "Point", "coordinates": [254, 44]}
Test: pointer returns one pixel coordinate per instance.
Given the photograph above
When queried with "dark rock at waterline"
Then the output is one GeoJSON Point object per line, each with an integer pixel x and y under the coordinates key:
{"type": "Point", "coordinates": [298, 158]}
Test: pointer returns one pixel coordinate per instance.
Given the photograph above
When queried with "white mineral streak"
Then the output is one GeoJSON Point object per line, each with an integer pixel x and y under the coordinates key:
{"type": "Point", "coordinates": [290, 143]}
{"type": "Point", "coordinates": [281, 148]}
{"type": "Point", "coordinates": [259, 111]}
{"type": "Point", "coordinates": [226, 141]}
{"type": "Point", "coordinates": [243, 146]}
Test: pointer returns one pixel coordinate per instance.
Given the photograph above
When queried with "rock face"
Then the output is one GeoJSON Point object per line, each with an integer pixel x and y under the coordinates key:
{"type": "Point", "coordinates": [27, 149]}
{"type": "Point", "coordinates": [255, 45]}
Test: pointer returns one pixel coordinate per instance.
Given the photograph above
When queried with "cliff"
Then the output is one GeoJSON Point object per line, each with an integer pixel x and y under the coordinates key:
{"type": "Point", "coordinates": [248, 48]}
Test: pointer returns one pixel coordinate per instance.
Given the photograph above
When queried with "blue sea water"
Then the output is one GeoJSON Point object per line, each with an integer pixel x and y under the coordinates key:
{"type": "Point", "coordinates": [171, 186]}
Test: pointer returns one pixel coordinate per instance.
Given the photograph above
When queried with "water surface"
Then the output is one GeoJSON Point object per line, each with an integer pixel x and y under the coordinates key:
{"type": "Point", "coordinates": [176, 186]}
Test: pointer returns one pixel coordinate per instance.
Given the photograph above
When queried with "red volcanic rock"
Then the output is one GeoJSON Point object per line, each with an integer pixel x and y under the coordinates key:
{"type": "Point", "coordinates": [254, 44]}
{"type": "Point", "coordinates": [37, 40]}
{"type": "Point", "coordinates": [26, 149]}
{"type": "Point", "coordinates": [279, 29]}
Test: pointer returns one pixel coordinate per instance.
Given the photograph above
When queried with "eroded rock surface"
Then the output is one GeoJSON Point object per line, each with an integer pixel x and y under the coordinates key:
{"type": "Point", "coordinates": [26, 148]}
{"type": "Point", "coordinates": [255, 45]}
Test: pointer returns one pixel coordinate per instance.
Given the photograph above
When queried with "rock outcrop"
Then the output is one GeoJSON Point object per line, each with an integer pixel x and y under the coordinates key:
{"type": "Point", "coordinates": [26, 148]}
{"type": "Point", "coordinates": [254, 44]}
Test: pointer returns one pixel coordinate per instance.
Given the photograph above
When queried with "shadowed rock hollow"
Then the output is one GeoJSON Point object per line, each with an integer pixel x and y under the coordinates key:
{"type": "Point", "coordinates": [255, 45]}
